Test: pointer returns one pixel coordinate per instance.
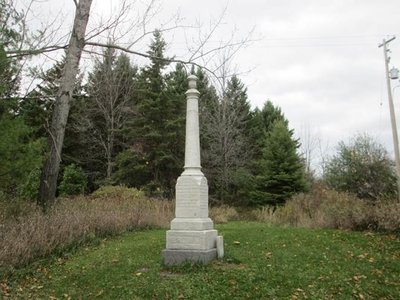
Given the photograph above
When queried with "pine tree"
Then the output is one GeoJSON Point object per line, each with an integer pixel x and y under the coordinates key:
{"type": "Point", "coordinates": [37, 107]}
{"type": "Point", "coordinates": [280, 171]}
{"type": "Point", "coordinates": [261, 124]}
{"type": "Point", "coordinates": [156, 132]}
{"type": "Point", "coordinates": [175, 124]}
{"type": "Point", "coordinates": [20, 153]}
{"type": "Point", "coordinates": [11, 24]}
{"type": "Point", "coordinates": [36, 110]}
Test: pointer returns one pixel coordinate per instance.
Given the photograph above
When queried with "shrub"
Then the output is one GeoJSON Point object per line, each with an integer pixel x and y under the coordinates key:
{"type": "Point", "coordinates": [324, 208]}
{"type": "Point", "coordinates": [74, 181]}
{"type": "Point", "coordinates": [30, 189]}
{"type": "Point", "coordinates": [118, 191]}
{"type": "Point", "coordinates": [362, 168]}
{"type": "Point", "coordinates": [387, 216]}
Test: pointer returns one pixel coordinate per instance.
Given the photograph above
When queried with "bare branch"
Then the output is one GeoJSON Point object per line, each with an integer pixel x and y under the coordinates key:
{"type": "Point", "coordinates": [30, 52]}
{"type": "Point", "coordinates": [209, 35]}
{"type": "Point", "coordinates": [127, 50]}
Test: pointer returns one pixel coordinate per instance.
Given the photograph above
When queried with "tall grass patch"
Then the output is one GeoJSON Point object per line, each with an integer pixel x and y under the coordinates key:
{"type": "Point", "coordinates": [30, 234]}
{"type": "Point", "coordinates": [324, 208]}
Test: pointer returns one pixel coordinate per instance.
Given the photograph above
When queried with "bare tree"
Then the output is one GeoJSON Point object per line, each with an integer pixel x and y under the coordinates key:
{"type": "Point", "coordinates": [48, 182]}
{"type": "Point", "coordinates": [308, 145]}
{"type": "Point", "coordinates": [111, 88]}
{"type": "Point", "coordinates": [225, 126]}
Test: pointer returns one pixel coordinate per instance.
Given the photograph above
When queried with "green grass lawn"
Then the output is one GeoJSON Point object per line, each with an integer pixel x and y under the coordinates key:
{"type": "Point", "coordinates": [261, 262]}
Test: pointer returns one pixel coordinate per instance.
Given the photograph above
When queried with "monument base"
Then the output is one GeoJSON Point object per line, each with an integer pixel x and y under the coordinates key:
{"type": "Point", "coordinates": [178, 257]}
{"type": "Point", "coordinates": [191, 239]}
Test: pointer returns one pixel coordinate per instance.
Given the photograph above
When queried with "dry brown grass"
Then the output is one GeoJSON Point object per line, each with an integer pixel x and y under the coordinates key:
{"type": "Point", "coordinates": [27, 234]}
{"type": "Point", "coordinates": [223, 214]}
{"type": "Point", "coordinates": [30, 234]}
{"type": "Point", "coordinates": [322, 208]}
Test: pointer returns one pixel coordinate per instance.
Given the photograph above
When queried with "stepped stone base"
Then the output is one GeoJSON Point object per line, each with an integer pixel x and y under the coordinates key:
{"type": "Point", "coordinates": [191, 239]}
{"type": "Point", "coordinates": [178, 257]}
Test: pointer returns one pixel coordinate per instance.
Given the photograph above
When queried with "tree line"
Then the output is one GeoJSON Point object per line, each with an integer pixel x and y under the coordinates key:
{"type": "Point", "coordinates": [127, 126]}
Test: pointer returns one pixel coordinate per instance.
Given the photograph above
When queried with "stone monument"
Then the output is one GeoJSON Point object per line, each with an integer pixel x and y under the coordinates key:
{"type": "Point", "coordinates": [192, 237]}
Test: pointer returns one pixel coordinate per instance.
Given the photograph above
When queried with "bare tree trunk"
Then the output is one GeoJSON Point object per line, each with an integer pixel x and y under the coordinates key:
{"type": "Point", "coordinates": [110, 149]}
{"type": "Point", "coordinates": [48, 180]}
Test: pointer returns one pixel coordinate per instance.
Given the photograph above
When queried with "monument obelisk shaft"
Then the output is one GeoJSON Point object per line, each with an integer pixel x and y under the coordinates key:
{"type": "Point", "coordinates": [192, 237]}
{"type": "Point", "coordinates": [192, 142]}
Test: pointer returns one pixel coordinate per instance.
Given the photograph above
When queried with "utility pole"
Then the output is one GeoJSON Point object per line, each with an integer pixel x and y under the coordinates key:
{"type": "Point", "coordinates": [392, 114]}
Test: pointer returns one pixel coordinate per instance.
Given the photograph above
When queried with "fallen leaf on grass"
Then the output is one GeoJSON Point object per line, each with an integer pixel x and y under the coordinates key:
{"type": "Point", "coordinates": [378, 271]}
{"type": "Point", "coordinates": [232, 281]}
{"type": "Point", "coordinates": [357, 278]}
{"type": "Point", "coordinates": [43, 270]}
{"type": "Point", "coordinates": [268, 255]}
{"type": "Point", "coordinates": [5, 288]}
{"type": "Point", "coordinates": [362, 255]}
{"type": "Point", "coordinates": [142, 270]}
{"type": "Point", "coordinates": [236, 243]}
{"type": "Point", "coordinates": [100, 293]}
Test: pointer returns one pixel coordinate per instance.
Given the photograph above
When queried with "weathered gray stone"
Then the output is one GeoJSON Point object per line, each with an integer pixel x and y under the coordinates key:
{"type": "Point", "coordinates": [178, 257]}
{"type": "Point", "coordinates": [220, 246]}
{"type": "Point", "coordinates": [191, 239]}
{"type": "Point", "coordinates": [192, 224]}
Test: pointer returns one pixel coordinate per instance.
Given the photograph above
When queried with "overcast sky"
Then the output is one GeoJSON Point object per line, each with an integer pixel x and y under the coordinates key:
{"type": "Point", "coordinates": [318, 59]}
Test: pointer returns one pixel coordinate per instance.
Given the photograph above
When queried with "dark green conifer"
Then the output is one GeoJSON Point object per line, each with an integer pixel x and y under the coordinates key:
{"type": "Point", "coordinates": [280, 171]}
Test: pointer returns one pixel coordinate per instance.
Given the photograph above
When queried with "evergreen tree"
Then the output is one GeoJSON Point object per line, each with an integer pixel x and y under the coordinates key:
{"type": "Point", "coordinates": [280, 171]}
{"type": "Point", "coordinates": [175, 123]}
{"type": "Point", "coordinates": [156, 132]}
{"type": "Point", "coordinates": [11, 28]}
{"type": "Point", "coordinates": [36, 108]}
{"type": "Point", "coordinates": [74, 181]}
{"type": "Point", "coordinates": [19, 153]}
{"type": "Point", "coordinates": [261, 124]}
